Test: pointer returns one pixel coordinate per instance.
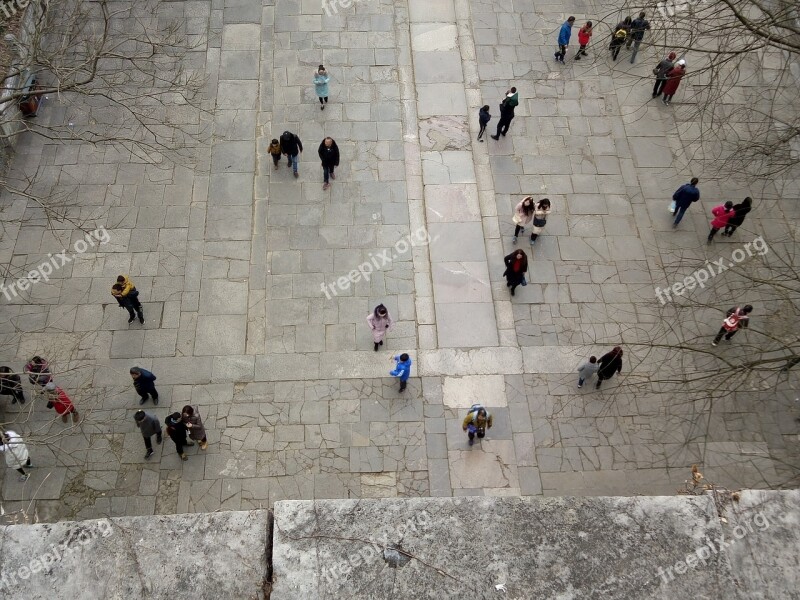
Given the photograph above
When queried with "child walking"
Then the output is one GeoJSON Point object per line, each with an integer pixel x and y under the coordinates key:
{"type": "Point", "coordinates": [587, 370]}
{"type": "Point", "coordinates": [402, 369]}
{"type": "Point", "coordinates": [275, 151]}
{"type": "Point", "coordinates": [483, 119]}
{"type": "Point", "coordinates": [584, 35]}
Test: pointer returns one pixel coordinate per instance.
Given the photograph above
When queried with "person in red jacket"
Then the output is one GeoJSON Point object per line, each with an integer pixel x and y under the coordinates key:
{"type": "Point", "coordinates": [721, 213]}
{"type": "Point", "coordinates": [584, 35]}
{"type": "Point", "coordinates": [673, 81]}
{"type": "Point", "coordinates": [59, 400]}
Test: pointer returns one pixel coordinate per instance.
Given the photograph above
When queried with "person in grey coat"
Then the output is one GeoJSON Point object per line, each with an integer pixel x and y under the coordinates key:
{"type": "Point", "coordinates": [660, 71]}
{"type": "Point", "coordinates": [148, 426]}
{"type": "Point", "coordinates": [587, 370]}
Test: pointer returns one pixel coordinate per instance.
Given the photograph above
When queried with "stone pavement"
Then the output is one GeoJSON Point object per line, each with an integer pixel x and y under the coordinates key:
{"type": "Point", "coordinates": [245, 276]}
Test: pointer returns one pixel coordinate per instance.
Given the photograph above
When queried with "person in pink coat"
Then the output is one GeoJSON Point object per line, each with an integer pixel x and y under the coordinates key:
{"type": "Point", "coordinates": [380, 321]}
{"type": "Point", "coordinates": [721, 213]}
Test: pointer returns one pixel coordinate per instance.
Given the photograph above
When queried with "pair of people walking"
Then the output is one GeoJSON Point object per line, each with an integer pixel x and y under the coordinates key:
{"type": "Point", "coordinates": [605, 368]}
{"type": "Point", "coordinates": [127, 296]}
{"type": "Point", "coordinates": [527, 212]}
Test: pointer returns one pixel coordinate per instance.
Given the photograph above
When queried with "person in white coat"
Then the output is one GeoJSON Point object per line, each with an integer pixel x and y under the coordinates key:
{"type": "Point", "coordinates": [540, 218]}
{"type": "Point", "coordinates": [523, 215]}
{"type": "Point", "coordinates": [16, 453]}
{"type": "Point", "coordinates": [380, 321]}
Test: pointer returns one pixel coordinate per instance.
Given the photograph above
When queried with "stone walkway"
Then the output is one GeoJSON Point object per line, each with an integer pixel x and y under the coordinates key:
{"type": "Point", "coordinates": [251, 315]}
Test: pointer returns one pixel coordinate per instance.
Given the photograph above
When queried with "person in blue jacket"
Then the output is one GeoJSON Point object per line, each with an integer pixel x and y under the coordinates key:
{"type": "Point", "coordinates": [402, 369]}
{"type": "Point", "coordinates": [684, 196]}
{"type": "Point", "coordinates": [563, 39]}
{"type": "Point", "coordinates": [144, 384]}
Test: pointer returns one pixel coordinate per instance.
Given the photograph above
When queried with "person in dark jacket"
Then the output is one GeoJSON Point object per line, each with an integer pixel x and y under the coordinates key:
{"type": "Point", "coordinates": [291, 146]}
{"type": "Point", "coordinates": [10, 385]}
{"type": "Point", "coordinates": [506, 116]}
{"type": "Point", "coordinates": [176, 430]}
{"type": "Point", "coordinates": [483, 120]}
{"type": "Point", "coordinates": [148, 426]}
{"type": "Point", "coordinates": [516, 267]}
{"type": "Point", "coordinates": [38, 371]}
{"type": "Point", "coordinates": [610, 364]}
{"type": "Point", "coordinates": [194, 424]}
{"type": "Point", "coordinates": [329, 155]}
{"type": "Point", "coordinates": [144, 384]}
{"type": "Point", "coordinates": [660, 71]}
{"type": "Point", "coordinates": [127, 297]}
{"type": "Point", "coordinates": [618, 38]}
{"type": "Point", "coordinates": [638, 27]}
{"type": "Point", "coordinates": [739, 213]}
{"type": "Point", "coordinates": [673, 81]}
{"type": "Point", "coordinates": [684, 196]}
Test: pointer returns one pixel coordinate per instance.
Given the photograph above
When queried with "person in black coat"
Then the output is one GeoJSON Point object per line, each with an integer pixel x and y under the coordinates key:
{"type": "Point", "coordinates": [329, 155]}
{"type": "Point", "coordinates": [291, 146]}
{"type": "Point", "coordinates": [483, 120]}
{"type": "Point", "coordinates": [516, 267]}
{"type": "Point", "coordinates": [11, 385]}
{"type": "Point", "coordinates": [506, 116]}
{"type": "Point", "coordinates": [177, 431]}
{"type": "Point", "coordinates": [610, 363]}
{"type": "Point", "coordinates": [739, 213]}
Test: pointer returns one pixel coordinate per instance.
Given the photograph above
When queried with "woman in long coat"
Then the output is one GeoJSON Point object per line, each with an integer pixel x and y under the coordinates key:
{"type": "Point", "coordinates": [610, 363]}
{"type": "Point", "coordinates": [321, 79]}
{"type": "Point", "coordinates": [673, 81]}
{"type": "Point", "coordinates": [516, 267]}
{"type": "Point", "coordinates": [380, 321]}
{"type": "Point", "coordinates": [194, 424]}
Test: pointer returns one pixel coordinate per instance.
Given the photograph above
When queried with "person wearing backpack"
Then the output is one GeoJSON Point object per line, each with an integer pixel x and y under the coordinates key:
{"type": "Point", "coordinates": [291, 146]}
{"type": "Point", "coordinates": [619, 37]}
{"type": "Point", "coordinates": [735, 319]}
{"type": "Point", "coordinates": [144, 384]}
{"type": "Point", "coordinates": [476, 422]}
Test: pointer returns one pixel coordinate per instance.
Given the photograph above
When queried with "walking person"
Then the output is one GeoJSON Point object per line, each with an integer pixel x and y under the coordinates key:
{"type": "Point", "coordinates": [144, 384]}
{"type": "Point", "coordinates": [660, 71]}
{"type": "Point", "coordinates": [291, 146]}
{"type": "Point", "coordinates": [58, 399]}
{"type": "Point", "coordinates": [609, 364]}
{"type": "Point", "coordinates": [722, 214]}
{"type": "Point", "coordinates": [11, 385]}
{"type": "Point", "coordinates": [523, 215]}
{"type": "Point", "coordinates": [194, 424]}
{"type": "Point", "coordinates": [16, 453]}
{"type": "Point", "coordinates": [483, 120]}
{"type": "Point", "coordinates": [587, 370]}
{"type": "Point", "coordinates": [683, 198]}
{"type": "Point", "coordinates": [735, 319]}
{"type": "Point", "coordinates": [563, 39]}
{"type": "Point", "coordinates": [177, 431]}
{"type": "Point", "coordinates": [380, 321]}
{"type": "Point", "coordinates": [148, 426]}
{"type": "Point", "coordinates": [38, 371]}
{"type": "Point", "coordinates": [516, 267]}
{"type": "Point", "coordinates": [275, 151]}
{"type": "Point", "coordinates": [540, 212]}
{"type": "Point", "coordinates": [638, 26]}
{"type": "Point", "coordinates": [329, 155]}
{"type": "Point", "coordinates": [584, 36]}
{"type": "Point", "coordinates": [737, 218]}
{"type": "Point", "coordinates": [402, 369]}
{"type": "Point", "coordinates": [619, 37]}
{"type": "Point", "coordinates": [127, 296]}
{"type": "Point", "coordinates": [477, 421]}
{"type": "Point", "coordinates": [321, 79]}
{"type": "Point", "coordinates": [507, 107]}
{"type": "Point", "coordinates": [673, 81]}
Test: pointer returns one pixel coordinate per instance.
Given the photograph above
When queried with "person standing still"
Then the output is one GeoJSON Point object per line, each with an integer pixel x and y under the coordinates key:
{"type": "Point", "coordinates": [402, 369]}
{"type": "Point", "coordinates": [194, 424]}
{"type": "Point", "coordinates": [380, 321]}
{"type": "Point", "coordinates": [660, 71]}
{"type": "Point", "coordinates": [16, 453]}
{"type": "Point", "coordinates": [638, 27]}
{"type": "Point", "coordinates": [739, 213]}
{"type": "Point", "coordinates": [148, 426]}
{"type": "Point", "coordinates": [563, 39]}
{"type": "Point", "coordinates": [477, 421]}
{"type": "Point", "coordinates": [321, 79]}
{"type": "Point", "coordinates": [722, 214]}
{"type": "Point", "coordinates": [329, 155]}
{"type": "Point", "coordinates": [507, 107]}
{"type": "Point", "coordinates": [683, 197]}
{"type": "Point", "coordinates": [609, 364]}
{"type": "Point", "coordinates": [58, 399]}
{"type": "Point", "coordinates": [523, 215]}
{"type": "Point", "coordinates": [673, 81]}
{"type": "Point", "coordinates": [584, 35]}
{"type": "Point", "coordinates": [291, 146]}
{"type": "Point", "coordinates": [11, 385]}
{"type": "Point", "coordinates": [735, 319]}
{"type": "Point", "coordinates": [483, 120]}
{"type": "Point", "coordinates": [144, 384]}
{"type": "Point", "coordinates": [38, 371]}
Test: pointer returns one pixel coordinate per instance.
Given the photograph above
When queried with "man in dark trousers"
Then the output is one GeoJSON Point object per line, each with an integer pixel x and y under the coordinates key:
{"type": "Point", "coordinates": [291, 146]}
{"type": "Point", "coordinates": [610, 363]}
{"type": "Point", "coordinates": [684, 196]}
{"type": "Point", "coordinates": [11, 385]}
{"type": "Point", "coordinates": [329, 155]}
{"type": "Point", "coordinates": [177, 431]}
{"type": "Point", "coordinates": [638, 27]}
{"type": "Point", "coordinates": [507, 107]}
{"type": "Point", "coordinates": [149, 426]}
{"type": "Point", "coordinates": [144, 384]}
{"type": "Point", "coordinates": [660, 71]}
{"type": "Point", "coordinates": [127, 297]}
{"type": "Point", "coordinates": [735, 319]}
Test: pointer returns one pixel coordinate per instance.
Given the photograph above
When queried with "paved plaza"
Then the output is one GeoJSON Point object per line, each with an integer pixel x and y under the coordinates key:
{"type": "Point", "coordinates": [251, 315]}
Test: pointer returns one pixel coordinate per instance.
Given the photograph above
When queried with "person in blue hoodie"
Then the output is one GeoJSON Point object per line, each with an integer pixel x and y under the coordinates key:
{"type": "Point", "coordinates": [563, 39]}
{"type": "Point", "coordinates": [684, 196]}
{"type": "Point", "coordinates": [402, 369]}
{"type": "Point", "coordinates": [144, 384]}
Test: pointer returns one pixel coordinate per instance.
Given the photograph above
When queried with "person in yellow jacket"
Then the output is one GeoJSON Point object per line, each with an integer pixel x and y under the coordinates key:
{"type": "Point", "coordinates": [127, 296]}
{"type": "Point", "coordinates": [476, 422]}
